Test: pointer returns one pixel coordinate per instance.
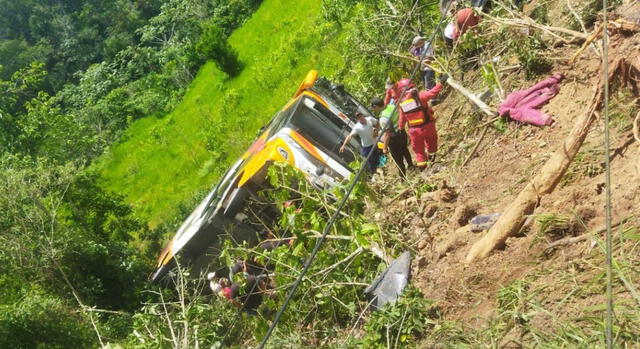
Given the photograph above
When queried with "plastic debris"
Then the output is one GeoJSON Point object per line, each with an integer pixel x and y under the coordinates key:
{"type": "Point", "coordinates": [389, 284]}
{"type": "Point", "coordinates": [483, 221]}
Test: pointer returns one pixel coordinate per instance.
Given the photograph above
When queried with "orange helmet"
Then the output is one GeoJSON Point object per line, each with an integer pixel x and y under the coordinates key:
{"type": "Point", "coordinates": [404, 84]}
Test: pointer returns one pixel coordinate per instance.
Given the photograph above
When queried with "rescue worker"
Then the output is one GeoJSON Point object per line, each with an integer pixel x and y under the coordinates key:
{"type": "Point", "coordinates": [365, 128]}
{"type": "Point", "coordinates": [394, 140]}
{"type": "Point", "coordinates": [417, 114]}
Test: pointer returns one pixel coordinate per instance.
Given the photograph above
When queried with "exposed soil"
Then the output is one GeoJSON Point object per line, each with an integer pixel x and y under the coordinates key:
{"type": "Point", "coordinates": [502, 166]}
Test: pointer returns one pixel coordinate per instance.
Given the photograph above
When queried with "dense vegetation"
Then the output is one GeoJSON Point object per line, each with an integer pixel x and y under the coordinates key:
{"type": "Point", "coordinates": [80, 76]}
{"type": "Point", "coordinates": [117, 116]}
{"type": "Point", "coordinates": [74, 75]}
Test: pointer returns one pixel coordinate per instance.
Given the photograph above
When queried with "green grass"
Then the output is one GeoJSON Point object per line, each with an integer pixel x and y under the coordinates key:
{"type": "Point", "coordinates": [162, 163]}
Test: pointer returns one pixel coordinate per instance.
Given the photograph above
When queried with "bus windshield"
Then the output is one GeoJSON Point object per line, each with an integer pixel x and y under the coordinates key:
{"type": "Point", "coordinates": [325, 129]}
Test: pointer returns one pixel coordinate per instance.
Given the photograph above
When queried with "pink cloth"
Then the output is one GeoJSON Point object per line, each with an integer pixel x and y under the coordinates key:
{"type": "Point", "coordinates": [522, 105]}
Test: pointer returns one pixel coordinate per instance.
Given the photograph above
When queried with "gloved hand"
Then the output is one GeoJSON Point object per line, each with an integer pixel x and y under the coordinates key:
{"type": "Point", "coordinates": [443, 78]}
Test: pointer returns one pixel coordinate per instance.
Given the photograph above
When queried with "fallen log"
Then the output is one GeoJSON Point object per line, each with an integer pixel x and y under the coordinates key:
{"type": "Point", "coordinates": [527, 22]}
{"type": "Point", "coordinates": [472, 97]}
{"type": "Point", "coordinates": [547, 178]}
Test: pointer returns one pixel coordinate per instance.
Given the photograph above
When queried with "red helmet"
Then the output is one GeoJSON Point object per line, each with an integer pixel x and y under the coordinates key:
{"type": "Point", "coordinates": [404, 84]}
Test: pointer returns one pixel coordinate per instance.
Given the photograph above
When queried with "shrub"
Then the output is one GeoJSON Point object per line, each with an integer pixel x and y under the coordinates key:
{"type": "Point", "coordinates": [43, 321]}
{"type": "Point", "coordinates": [213, 44]}
{"type": "Point", "coordinates": [401, 322]}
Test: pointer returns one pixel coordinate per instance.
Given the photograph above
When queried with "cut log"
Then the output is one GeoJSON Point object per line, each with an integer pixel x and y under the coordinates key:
{"type": "Point", "coordinates": [543, 183]}
{"type": "Point", "coordinates": [546, 180]}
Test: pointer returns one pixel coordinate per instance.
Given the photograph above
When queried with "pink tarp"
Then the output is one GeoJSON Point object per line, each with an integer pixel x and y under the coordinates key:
{"type": "Point", "coordinates": [522, 105]}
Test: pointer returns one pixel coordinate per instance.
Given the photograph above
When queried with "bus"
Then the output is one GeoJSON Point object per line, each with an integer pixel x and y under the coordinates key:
{"type": "Point", "coordinates": [306, 134]}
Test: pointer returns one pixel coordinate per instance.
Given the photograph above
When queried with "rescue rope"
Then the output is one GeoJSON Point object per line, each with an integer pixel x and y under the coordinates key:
{"type": "Point", "coordinates": [343, 201]}
{"type": "Point", "coordinates": [605, 63]}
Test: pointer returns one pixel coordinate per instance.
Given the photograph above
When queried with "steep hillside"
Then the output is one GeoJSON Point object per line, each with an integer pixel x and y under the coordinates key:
{"type": "Point", "coordinates": [544, 288]}
{"type": "Point", "coordinates": [547, 286]}
{"type": "Point", "coordinates": [161, 163]}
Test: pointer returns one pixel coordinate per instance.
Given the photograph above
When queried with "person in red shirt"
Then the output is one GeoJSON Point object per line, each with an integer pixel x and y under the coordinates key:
{"type": "Point", "coordinates": [465, 19]}
{"type": "Point", "coordinates": [417, 114]}
{"type": "Point", "coordinates": [391, 95]}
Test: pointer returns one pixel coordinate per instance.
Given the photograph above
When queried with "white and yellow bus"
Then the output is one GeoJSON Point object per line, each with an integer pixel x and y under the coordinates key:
{"type": "Point", "coordinates": [306, 134]}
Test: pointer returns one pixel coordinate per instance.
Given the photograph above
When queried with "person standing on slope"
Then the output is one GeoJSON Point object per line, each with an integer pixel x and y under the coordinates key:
{"type": "Point", "coordinates": [394, 140]}
{"type": "Point", "coordinates": [421, 49]}
{"type": "Point", "coordinates": [417, 114]}
{"type": "Point", "coordinates": [365, 129]}
{"type": "Point", "coordinates": [391, 95]}
{"type": "Point", "coordinates": [464, 20]}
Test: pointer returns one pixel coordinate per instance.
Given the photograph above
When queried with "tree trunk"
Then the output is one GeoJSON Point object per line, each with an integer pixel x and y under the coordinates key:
{"type": "Point", "coordinates": [543, 183]}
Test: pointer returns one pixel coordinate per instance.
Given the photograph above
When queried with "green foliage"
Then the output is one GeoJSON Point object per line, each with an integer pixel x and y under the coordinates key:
{"type": "Point", "coordinates": [213, 45]}
{"type": "Point", "coordinates": [182, 317]}
{"type": "Point", "coordinates": [62, 234]}
{"type": "Point", "coordinates": [528, 49]}
{"type": "Point", "coordinates": [400, 324]}
{"type": "Point", "coordinates": [589, 10]}
{"type": "Point", "coordinates": [502, 125]}
{"type": "Point", "coordinates": [555, 225]}
{"type": "Point", "coordinates": [330, 296]}
{"type": "Point", "coordinates": [43, 321]}
{"type": "Point", "coordinates": [67, 36]}
{"type": "Point", "coordinates": [218, 116]}
{"type": "Point", "coordinates": [510, 300]}
{"type": "Point", "coordinates": [540, 12]}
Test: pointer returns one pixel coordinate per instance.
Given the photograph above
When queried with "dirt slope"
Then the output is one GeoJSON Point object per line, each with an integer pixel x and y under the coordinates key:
{"type": "Point", "coordinates": [560, 288]}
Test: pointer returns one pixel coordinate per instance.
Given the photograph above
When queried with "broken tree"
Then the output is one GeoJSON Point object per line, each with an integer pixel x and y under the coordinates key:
{"type": "Point", "coordinates": [512, 219]}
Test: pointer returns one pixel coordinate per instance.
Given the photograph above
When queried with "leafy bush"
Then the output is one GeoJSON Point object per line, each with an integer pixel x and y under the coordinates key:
{"type": "Point", "coordinates": [183, 318]}
{"type": "Point", "coordinates": [528, 49]}
{"type": "Point", "coordinates": [43, 321]}
{"type": "Point", "coordinates": [400, 323]}
{"type": "Point", "coordinates": [213, 45]}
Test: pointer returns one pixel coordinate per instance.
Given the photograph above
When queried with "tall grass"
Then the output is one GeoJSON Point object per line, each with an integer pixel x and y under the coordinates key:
{"type": "Point", "coordinates": [163, 162]}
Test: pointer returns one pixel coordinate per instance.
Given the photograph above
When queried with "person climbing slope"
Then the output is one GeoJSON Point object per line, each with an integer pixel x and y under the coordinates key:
{"type": "Point", "coordinates": [365, 129]}
{"type": "Point", "coordinates": [394, 140]}
{"type": "Point", "coordinates": [417, 114]}
{"type": "Point", "coordinates": [421, 49]}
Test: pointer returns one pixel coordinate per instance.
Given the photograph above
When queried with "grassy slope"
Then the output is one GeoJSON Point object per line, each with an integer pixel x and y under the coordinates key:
{"type": "Point", "coordinates": [162, 163]}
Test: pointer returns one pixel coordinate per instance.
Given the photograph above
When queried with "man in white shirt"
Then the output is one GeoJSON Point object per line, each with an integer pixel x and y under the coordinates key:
{"type": "Point", "coordinates": [365, 129]}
